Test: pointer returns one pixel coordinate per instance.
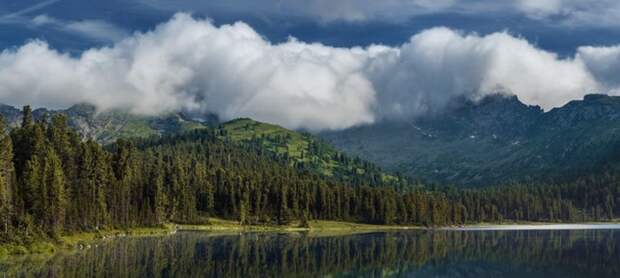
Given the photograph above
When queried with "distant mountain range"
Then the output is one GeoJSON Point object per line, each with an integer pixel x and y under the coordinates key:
{"type": "Point", "coordinates": [106, 127]}
{"type": "Point", "coordinates": [496, 140]}
{"type": "Point", "coordinates": [492, 141]}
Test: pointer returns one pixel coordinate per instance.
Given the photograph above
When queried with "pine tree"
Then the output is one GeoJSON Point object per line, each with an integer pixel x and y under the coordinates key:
{"type": "Point", "coordinates": [33, 189]}
{"type": "Point", "coordinates": [66, 144]}
{"type": "Point", "coordinates": [7, 180]}
{"type": "Point", "coordinates": [283, 210]}
{"type": "Point", "coordinates": [157, 192]}
{"type": "Point", "coordinates": [82, 215]}
{"type": "Point", "coordinates": [27, 119]}
{"type": "Point", "coordinates": [103, 179]}
{"type": "Point", "coordinates": [27, 140]}
{"type": "Point", "coordinates": [244, 206]}
{"type": "Point", "coordinates": [54, 182]}
{"type": "Point", "coordinates": [120, 194]}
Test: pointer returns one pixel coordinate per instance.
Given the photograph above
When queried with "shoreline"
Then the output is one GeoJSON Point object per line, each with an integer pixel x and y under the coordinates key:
{"type": "Point", "coordinates": [543, 226]}
{"type": "Point", "coordinates": [77, 241]}
{"type": "Point", "coordinates": [218, 226]}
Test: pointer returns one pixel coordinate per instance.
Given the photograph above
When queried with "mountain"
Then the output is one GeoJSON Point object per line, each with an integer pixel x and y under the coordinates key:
{"type": "Point", "coordinates": [106, 127]}
{"type": "Point", "coordinates": [11, 114]}
{"type": "Point", "coordinates": [495, 140]}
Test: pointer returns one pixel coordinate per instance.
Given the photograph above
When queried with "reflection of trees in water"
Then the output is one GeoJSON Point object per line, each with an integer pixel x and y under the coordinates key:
{"type": "Point", "coordinates": [595, 253]}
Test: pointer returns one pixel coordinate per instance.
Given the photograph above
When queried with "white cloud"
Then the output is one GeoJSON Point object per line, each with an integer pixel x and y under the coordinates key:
{"type": "Point", "coordinates": [574, 13]}
{"type": "Point", "coordinates": [440, 63]}
{"type": "Point", "coordinates": [363, 10]}
{"type": "Point", "coordinates": [604, 64]}
{"type": "Point", "coordinates": [191, 64]}
{"type": "Point", "coordinates": [540, 8]}
{"type": "Point", "coordinates": [94, 29]}
{"type": "Point", "coordinates": [323, 11]}
{"type": "Point", "coordinates": [43, 19]}
{"type": "Point", "coordinates": [27, 10]}
{"type": "Point", "coordinates": [233, 71]}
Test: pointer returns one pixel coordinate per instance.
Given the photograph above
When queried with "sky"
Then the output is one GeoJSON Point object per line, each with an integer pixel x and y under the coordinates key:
{"type": "Point", "coordinates": [314, 64]}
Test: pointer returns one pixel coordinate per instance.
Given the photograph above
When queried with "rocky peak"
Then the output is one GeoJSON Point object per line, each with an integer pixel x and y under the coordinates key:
{"type": "Point", "coordinates": [494, 115]}
{"type": "Point", "coordinates": [593, 107]}
{"type": "Point", "coordinates": [83, 109]}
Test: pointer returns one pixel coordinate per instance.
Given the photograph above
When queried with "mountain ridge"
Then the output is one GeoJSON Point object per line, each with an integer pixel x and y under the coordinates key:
{"type": "Point", "coordinates": [495, 140]}
{"type": "Point", "coordinates": [105, 127]}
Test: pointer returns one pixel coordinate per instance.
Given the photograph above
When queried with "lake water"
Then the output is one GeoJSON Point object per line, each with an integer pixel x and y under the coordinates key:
{"type": "Point", "coordinates": [440, 253]}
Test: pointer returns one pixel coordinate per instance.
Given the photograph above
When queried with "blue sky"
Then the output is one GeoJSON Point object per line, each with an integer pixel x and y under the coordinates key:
{"type": "Point", "coordinates": [556, 25]}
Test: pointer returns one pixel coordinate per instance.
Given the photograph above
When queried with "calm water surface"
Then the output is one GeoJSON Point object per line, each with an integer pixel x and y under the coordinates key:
{"type": "Point", "coordinates": [515, 253]}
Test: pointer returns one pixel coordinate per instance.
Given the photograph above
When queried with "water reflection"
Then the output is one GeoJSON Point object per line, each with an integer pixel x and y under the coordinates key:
{"type": "Point", "coordinates": [586, 253]}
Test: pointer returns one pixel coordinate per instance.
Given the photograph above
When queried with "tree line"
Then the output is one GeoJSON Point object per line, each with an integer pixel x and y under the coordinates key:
{"type": "Point", "coordinates": [53, 183]}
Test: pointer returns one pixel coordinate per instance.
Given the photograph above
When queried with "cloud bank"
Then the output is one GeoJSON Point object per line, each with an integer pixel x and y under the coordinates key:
{"type": "Point", "coordinates": [233, 71]}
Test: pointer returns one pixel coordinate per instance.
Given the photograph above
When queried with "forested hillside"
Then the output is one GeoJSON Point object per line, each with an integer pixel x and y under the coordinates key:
{"type": "Point", "coordinates": [301, 150]}
{"type": "Point", "coordinates": [53, 183]}
{"type": "Point", "coordinates": [307, 152]}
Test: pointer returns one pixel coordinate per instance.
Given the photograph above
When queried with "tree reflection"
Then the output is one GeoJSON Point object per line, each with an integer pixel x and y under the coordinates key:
{"type": "Point", "coordinates": [419, 253]}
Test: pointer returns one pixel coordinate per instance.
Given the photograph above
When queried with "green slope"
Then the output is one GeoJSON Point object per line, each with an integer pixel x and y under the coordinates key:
{"type": "Point", "coordinates": [307, 152]}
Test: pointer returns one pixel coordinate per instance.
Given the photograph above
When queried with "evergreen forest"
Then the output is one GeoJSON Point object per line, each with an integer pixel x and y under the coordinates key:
{"type": "Point", "coordinates": [53, 183]}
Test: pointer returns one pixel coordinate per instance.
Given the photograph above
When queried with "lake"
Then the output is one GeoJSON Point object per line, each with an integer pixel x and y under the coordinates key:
{"type": "Point", "coordinates": [421, 253]}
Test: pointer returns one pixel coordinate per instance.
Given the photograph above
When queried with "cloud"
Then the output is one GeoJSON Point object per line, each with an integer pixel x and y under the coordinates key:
{"type": "Point", "coordinates": [98, 30]}
{"type": "Point", "coordinates": [573, 13]}
{"type": "Point", "coordinates": [604, 64]}
{"type": "Point", "coordinates": [233, 71]}
{"type": "Point", "coordinates": [439, 64]}
{"type": "Point", "coordinates": [321, 10]}
{"type": "Point", "coordinates": [191, 64]}
{"type": "Point", "coordinates": [29, 9]}
{"type": "Point", "coordinates": [540, 8]}
{"type": "Point", "coordinates": [364, 10]}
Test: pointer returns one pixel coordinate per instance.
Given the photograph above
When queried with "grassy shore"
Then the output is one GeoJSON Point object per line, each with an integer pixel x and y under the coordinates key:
{"type": "Point", "coordinates": [77, 241]}
{"type": "Point", "coordinates": [222, 226]}
{"type": "Point", "coordinates": [314, 227]}
{"type": "Point", "coordinates": [215, 225]}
